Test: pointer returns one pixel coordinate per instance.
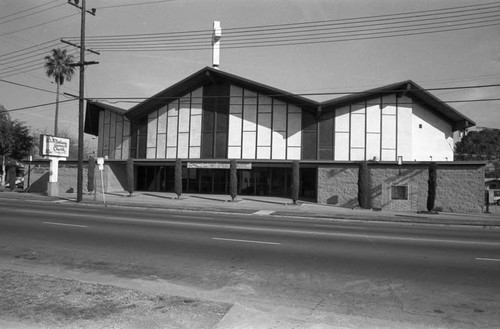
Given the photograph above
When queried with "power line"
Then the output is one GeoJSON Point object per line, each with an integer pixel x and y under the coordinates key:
{"type": "Point", "coordinates": [40, 105]}
{"type": "Point", "coordinates": [26, 86]}
{"type": "Point", "coordinates": [299, 33]}
{"type": "Point", "coordinates": [27, 49]}
{"type": "Point", "coordinates": [38, 54]}
{"type": "Point", "coordinates": [37, 25]}
{"type": "Point", "coordinates": [24, 67]}
{"type": "Point", "coordinates": [134, 4]}
{"type": "Point", "coordinates": [23, 11]}
{"type": "Point", "coordinates": [279, 43]}
{"type": "Point", "coordinates": [27, 15]}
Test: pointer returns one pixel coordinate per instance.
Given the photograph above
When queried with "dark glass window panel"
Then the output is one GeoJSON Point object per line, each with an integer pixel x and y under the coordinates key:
{"type": "Point", "coordinates": [220, 181]}
{"type": "Point", "coordinates": [221, 145]}
{"type": "Point", "coordinates": [308, 183]}
{"type": "Point", "coordinates": [222, 121]}
{"type": "Point", "coordinates": [326, 153]}
{"type": "Point", "coordinates": [308, 121]}
{"type": "Point", "coordinates": [308, 145]}
{"type": "Point", "coordinates": [170, 179]}
{"type": "Point", "coordinates": [142, 147]}
{"type": "Point", "coordinates": [207, 145]}
{"type": "Point", "coordinates": [193, 181]}
{"type": "Point", "coordinates": [326, 133]}
{"type": "Point", "coordinates": [208, 120]}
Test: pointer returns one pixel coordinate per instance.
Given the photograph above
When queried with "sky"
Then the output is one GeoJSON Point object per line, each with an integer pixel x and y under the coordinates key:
{"type": "Point", "coordinates": [351, 46]}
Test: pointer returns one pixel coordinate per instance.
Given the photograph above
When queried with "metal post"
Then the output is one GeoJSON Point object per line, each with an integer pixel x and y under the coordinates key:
{"type": "Point", "coordinates": [29, 172]}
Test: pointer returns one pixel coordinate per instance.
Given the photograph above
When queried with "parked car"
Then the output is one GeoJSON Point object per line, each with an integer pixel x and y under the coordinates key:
{"type": "Point", "coordinates": [496, 197]}
{"type": "Point", "coordinates": [19, 183]}
{"type": "Point", "coordinates": [493, 196]}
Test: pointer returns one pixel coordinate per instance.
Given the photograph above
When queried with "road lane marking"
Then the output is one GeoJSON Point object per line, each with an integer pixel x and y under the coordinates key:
{"type": "Point", "coordinates": [111, 217]}
{"type": "Point", "coordinates": [488, 259]}
{"type": "Point", "coordinates": [64, 224]}
{"type": "Point", "coordinates": [248, 241]}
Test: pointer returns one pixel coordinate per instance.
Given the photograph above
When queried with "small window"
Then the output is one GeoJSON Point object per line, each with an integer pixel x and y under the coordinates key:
{"type": "Point", "coordinates": [399, 192]}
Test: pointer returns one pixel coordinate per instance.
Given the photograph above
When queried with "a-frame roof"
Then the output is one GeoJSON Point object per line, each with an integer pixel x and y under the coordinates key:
{"type": "Point", "coordinates": [210, 75]}
{"type": "Point", "coordinates": [412, 90]}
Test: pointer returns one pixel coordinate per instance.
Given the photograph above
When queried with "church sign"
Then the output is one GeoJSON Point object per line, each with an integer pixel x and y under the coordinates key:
{"type": "Point", "coordinates": [54, 146]}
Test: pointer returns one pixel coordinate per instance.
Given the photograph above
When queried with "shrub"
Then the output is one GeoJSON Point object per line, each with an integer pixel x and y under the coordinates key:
{"type": "Point", "coordinates": [130, 176]}
{"type": "Point", "coordinates": [364, 185]}
{"type": "Point", "coordinates": [233, 180]}
{"type": "Point", "coordinates": [432, 185]}
{"type": "Point", "coordinates": [91, 175]}
{"type": "Point", "coordinates": [178, 178]}
{"type": "Point", "coordinates": [295, 181]}
{"type": "Point", "coordinates": [12, 176]}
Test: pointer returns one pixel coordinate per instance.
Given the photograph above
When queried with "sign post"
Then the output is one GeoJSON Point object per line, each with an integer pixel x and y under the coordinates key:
{"type": "Point", "coordinates": [100, 162]}
{"type": "Point", "coordinates": [56, 149]}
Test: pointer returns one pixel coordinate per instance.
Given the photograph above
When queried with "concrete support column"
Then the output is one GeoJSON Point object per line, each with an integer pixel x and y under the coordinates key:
{"type": "Point", "coordinates": [53, 185]}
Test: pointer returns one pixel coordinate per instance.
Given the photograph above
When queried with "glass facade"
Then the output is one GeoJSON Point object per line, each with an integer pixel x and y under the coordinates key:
{"type": "Point", "coordinates": [261, 181]}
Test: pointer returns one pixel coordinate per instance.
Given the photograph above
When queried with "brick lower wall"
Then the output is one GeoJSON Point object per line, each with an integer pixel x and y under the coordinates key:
{"type": "Point", "coordinates": [460, 186]}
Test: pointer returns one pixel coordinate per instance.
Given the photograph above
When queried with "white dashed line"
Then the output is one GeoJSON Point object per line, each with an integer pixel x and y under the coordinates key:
{"type": "Point", "coordinates": [64, 224]}
{"type": "Point", "coordinates": [247, 241]}
{"type": "Point", "coordinates": [489, 259]}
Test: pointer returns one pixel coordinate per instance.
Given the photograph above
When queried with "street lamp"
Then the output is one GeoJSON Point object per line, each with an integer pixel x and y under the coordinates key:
{"type": "Point", "coordinates": [400, 163]}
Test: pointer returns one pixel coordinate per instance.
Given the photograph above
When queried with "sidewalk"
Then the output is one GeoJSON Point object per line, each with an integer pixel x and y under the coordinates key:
{"type": "Point", "coordinates": [263, 206]}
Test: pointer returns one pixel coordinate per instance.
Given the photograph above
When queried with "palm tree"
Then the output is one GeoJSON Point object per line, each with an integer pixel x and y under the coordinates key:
{"type": "Point", "coordinates": [60, 66]}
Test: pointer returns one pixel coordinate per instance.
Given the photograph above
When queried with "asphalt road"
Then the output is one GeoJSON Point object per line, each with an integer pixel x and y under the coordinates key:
{"type": "Point", "coordinates": [307, 270]}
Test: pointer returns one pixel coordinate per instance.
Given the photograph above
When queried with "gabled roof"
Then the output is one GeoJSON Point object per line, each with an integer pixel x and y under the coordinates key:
{"type": "Point", "coordinates": [412, 90]}
{"type": "Point", "coordinates": [209, 75]}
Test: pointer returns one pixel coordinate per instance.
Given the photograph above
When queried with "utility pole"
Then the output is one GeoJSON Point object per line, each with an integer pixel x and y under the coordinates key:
{"type": "Point", "coordinates": [81, 64]}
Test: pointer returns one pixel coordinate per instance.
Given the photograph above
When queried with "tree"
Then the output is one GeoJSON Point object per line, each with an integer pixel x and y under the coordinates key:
{"type": "Point", "coordinates": [363, 185]}
{"type": "Point", "coordinates": [295, 181]}
{"type": "Point", "coordinates": [59, 65]}
{"type": "Point", "coordinates": [233, 180]}
{"type": "Point", "coordinates": [16, 142]}
{"type": "Point", "coordinates": [432, 185]}
{"type": "Point", "coordinates": [130, 176]}
{"type": "Point", "coordinates": [484, 144]}
{"type": "Point", "coordinates": [178, 178]}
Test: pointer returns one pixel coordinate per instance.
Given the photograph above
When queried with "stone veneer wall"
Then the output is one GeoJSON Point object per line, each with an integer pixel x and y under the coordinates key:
{"type": "Point", "coordinates": [460, 186]}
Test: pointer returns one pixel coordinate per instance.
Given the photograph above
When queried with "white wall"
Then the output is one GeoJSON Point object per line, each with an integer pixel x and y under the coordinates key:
{"type": "Point", "coordinates": [174, 130]}
{"type": "Point", "coordinates": [388, 127]}
{"type": "Point", "coordinates": [432, 136]}
{"type": "Point", "coordinates": [263, 128]}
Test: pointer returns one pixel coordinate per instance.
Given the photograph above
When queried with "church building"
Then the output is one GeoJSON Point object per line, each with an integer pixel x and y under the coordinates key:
{"type": "Point", "coordinates": [213, 116]}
